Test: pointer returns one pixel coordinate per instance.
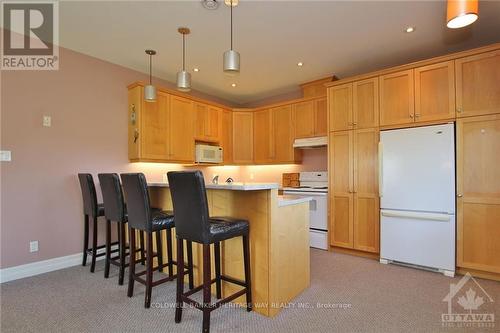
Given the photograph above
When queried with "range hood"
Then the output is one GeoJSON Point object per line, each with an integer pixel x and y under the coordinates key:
{"type": "Point", "coordinates": [319, 141]}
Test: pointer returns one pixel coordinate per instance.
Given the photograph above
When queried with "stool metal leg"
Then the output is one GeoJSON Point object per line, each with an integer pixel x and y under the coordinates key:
{"type": "Point", "coordinates": [246, 260]}
{"type": "Point", "coordinates": [159, 251]}
{"type": "Point", "coordinates": [180, 280]}
{"type": "Point", "coordinates": [190, 262]}
{"type": "Point", "coordinates": [169, 253]}
{"type": "Point", "coordinates": [94, 246]}
{"type": "Point", "coordinates": [108, 249]}
{"type": "Point", "coordinates": [149, 270]}
{"type": "Point", "coordinates": [206, 288]}
{"type": "Point", "coordinates": [131, 268]}
{"type": "Point", "coordinates": [85, 238]}
{"type": "Point", "coordinates": [217, 269]}
{"type": "Point", "coordinates": [121, 238]}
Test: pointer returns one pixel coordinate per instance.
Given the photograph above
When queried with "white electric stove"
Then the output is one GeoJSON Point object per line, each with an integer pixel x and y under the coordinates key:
{"type": "Point", "coordinates": [315, 185]}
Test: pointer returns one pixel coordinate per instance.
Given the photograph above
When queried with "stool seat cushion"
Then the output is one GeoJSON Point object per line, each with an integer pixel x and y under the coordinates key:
{"type": "Point", "coordinates": [224, 227]}
{"type": "Point", "coordinates": [162, 220]}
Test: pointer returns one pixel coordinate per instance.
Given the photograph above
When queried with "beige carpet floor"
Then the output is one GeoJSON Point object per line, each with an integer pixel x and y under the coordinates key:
{"type": "Point", "coordinates": [380, 298]}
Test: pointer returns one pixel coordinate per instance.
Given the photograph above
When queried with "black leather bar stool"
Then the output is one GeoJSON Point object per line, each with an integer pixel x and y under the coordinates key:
{"type": "Point", "coordinates": [91, 209]}
{"type": "Point", "coordinates": [142, 217]}
{"type": "Point", "coordinates": [193, 223]}
{"type": "Point", "coordinates": [115, 210]}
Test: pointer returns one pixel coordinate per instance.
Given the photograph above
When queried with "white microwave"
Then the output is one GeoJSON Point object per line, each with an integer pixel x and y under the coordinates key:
{"type": "Point", "coordinates": [208, 154]}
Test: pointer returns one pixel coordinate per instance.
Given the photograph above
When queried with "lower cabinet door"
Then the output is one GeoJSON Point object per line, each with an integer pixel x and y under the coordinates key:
{"type": "Point", "coordinates": [366, 223]}
{"type": "Point", "coordinates": [342, 226]}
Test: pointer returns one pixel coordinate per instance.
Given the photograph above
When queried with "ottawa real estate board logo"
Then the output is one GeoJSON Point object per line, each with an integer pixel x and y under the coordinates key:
{"type": "Point", "coordinates": [469, 305]}
{"type": "Point", "coordinates": [30, 35]}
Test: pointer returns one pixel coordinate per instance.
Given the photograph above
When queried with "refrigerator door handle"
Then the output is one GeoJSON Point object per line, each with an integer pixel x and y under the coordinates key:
{"type": "Point", "coordinates": [416, 215]}
{"type": "Point", "coordinates": [380, 170]}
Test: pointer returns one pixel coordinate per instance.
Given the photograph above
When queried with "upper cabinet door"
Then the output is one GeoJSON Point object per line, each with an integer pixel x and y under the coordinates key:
{"type": "Point", "coordinates": [283, 151]}
{"type": "Point", "coordinates": [208, 122]}
{"type": "Point", "coordinates": [263, 147]}
{"type": "Point", "coordinates": [478, 84]}
{"type": "Point", "coordinates": [435, 92]}
{"type": "Point", "coordinates": [243, 137]}
{"type": "Point", "coordinates": [365, 103]}
{"type": "Point", "coordinates": [340, 107]}
{"type": "Point", "coordinates": [201, 113]}
{"type": "Point", "coordinates": [303, 114]}
{"type": "Point", "coordinates": [396, 98]}
{"type": "Point", "coordinates": [320, 117]}
{"type": "Point", "coordinates": [181, 129]}
{"type": "Point", "coordinates": [227, 136]}
{"type": "Point", "coordinates": [155, 141]}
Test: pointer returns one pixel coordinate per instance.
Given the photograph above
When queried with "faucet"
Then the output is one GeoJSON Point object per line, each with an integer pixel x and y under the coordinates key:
{"type": "Point", "coordinates": [215, 179]}
{"type": "Point", "coordinates": [229, 180]}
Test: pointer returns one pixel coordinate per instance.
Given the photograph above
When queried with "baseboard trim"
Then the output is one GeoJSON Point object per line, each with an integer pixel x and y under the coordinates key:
{"type": "Point", "coordinates": [45, 266]}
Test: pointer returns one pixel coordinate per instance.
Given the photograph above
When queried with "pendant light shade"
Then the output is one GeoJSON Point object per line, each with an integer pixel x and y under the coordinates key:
{"type": "Point", "coordinates": [150, 90]}
{"type": "Point", "coordinates": [461, 13]}
{"type": "Point", "coordinates": [231, 58]}
{"type": "Point", "coordinates": [183, 77]}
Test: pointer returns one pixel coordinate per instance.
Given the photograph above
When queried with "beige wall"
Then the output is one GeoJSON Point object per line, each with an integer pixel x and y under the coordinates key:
{"type": "Point", "coordinates": [87, 100]}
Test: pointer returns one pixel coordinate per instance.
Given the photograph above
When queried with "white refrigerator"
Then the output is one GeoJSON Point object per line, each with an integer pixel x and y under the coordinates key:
{"type": "Point", "coordinates": [417, 197]}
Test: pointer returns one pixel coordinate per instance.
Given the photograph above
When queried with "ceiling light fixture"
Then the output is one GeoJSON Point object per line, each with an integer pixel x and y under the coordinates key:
{"type": "Point", "coordinates": [409, 29]}
{"type": "Point", "coordinates": [461, 13]}
{"type": "Point", "coordinates": [300, 64]}
{"type": "Point", "coordinates": [233, 85]}
{"type": "Point", "coordinates": [196, 69]}
{"type": "Point", "coordinates": [150, 90]}
{"type": "Point", "coordinates": [210, 4]}
{"type": "Point", "coordinates": [231, 63]}
{"type": "Point", "coordinates": [184, 77]}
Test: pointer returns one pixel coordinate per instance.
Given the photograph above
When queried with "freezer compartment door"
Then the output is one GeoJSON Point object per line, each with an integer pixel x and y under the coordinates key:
{"type": "Point", "coordinates": [425, 239]}
{"type": "Point", "coordinates": [417, 169]}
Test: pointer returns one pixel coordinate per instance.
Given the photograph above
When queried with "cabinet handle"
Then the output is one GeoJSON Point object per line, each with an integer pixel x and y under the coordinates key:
{"type": "Point", "coordinates": [411, 115]}
{"type": "Point", "coordinates": [459, 110]}
{"type": "Point", "coordinates": [417, 115]}
{"type": "Point", "coordinates": [354, 124]}
{"type": "Point", "coordinates": [459, 195]}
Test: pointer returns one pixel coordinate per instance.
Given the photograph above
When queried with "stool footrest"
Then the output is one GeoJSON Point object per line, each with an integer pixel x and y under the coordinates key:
{"type": "Point", "coordinates": [212, 306]}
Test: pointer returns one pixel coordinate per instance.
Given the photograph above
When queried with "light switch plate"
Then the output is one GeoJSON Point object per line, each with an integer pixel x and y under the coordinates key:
{"type": "Point", "coordinates": [34, 246]}
{"type": "Point", "coordinates": [5, 156]}
{"type": "Point", "coordinates": [47, 121]}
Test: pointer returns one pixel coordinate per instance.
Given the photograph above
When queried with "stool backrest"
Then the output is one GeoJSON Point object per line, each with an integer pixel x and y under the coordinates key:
{"type": "Point", "coordinates": [189, 198]}
{"type": "Point", "coordinates": [88, 193]}
{"type": "Point", "coordinates": [138, 204]}
{"type": "Point", "coordinates": [112, 197]}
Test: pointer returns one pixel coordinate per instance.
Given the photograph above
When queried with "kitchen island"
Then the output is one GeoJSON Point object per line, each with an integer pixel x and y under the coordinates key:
{"type": "Point", "coordinates": [279, 240]}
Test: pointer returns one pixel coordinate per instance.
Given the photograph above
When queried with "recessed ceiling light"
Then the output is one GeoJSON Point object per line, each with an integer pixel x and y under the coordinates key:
{"type": "Point", "coordinates": [300, 64]}
{"type": "Point", "coordinates": [233, 84]}
{"type": "Point", "coordinates": [409, 29]}
{"type": "Point", "coordinates": [196, 69]}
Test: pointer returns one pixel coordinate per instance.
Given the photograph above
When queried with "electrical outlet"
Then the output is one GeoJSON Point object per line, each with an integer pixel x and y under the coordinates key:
{"type": "Point", "coordinates": [47, 121]}
{"type": "Point", "coordinates": [5, 155]}
{"type": "Point", "coordinates": [34, 246]}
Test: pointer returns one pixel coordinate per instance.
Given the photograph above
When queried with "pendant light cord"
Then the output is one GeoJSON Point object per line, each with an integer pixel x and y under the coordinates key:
{"type": "Point", "coordinates": [231, 24]}
{"type": "Point", "coordinates": [150, 73]}
{"type": "Point", "coordinates": [183, 52]}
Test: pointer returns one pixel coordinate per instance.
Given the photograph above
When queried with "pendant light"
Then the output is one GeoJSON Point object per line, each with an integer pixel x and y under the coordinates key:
{"type": "Point", "coordinates": [461, 13]}
{"type": "Point", "coordinates": [231, 57]}
{"type": "Point", "coordinates": [150, 90]}
{"type": "Point", "coordinates": [184, 77]}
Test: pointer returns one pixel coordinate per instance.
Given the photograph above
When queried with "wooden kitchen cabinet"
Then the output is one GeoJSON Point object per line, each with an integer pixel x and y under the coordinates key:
{"type": "Point", "coordinates": [340, 107]}
{"type": "Point", "coordinates": [310, 118]}
{"type": "Point", "coordinates": [208, 122]}
{"type": "Point", "coordinates": [341, 185]}
{"type": "Point", "coordinates": [478, 193]}
{"type": "Point", "coordinates": [243, 137]}
{"type": "Point", "coordinates": [181, 129]}
{"type": "Point", "coordinates": [435, 92]}
{"type": "Point", "coordinates": [353, 179]}
{"type": "Point", "coordinates": [227, 136]}
{"type": "Point", "coordinates": [478, 84]}
{"type": "Point", "coordinates": [155, 143]}
{"type": "Point", "coordinates": [365, 103]}
{"type": "Point", "coordinates": [397, 98]}
{"type": "Point", "coordinates": [263, 138]}
{"type": "Point", "coordinates": [366, 195]}
{"type": "Point", "coordinates": [282, 150]}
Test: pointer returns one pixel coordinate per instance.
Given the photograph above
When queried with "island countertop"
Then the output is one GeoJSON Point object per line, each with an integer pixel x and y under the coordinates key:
{"type": "Point", "coordinates": [234, 186]}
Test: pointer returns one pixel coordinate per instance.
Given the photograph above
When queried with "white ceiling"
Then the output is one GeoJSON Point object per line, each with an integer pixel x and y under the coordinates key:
{"type": "Point", "coordinates": [331, 37]}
